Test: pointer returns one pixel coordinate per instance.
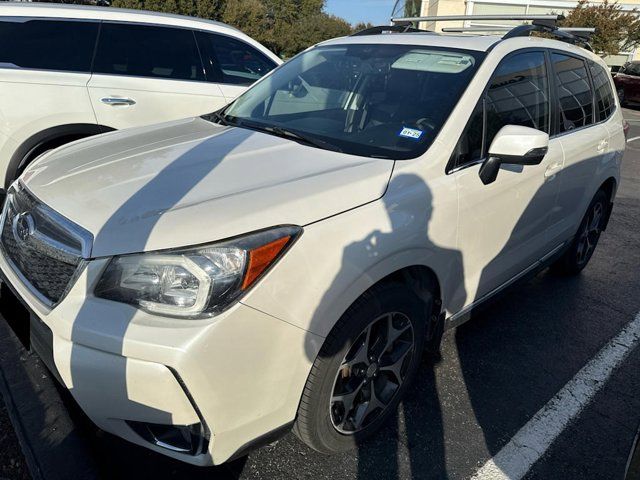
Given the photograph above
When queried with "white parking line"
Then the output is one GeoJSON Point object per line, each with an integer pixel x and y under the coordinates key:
{"type": "Point", "coordinates": [532, 441]}
{"type": "Point", "coordinates": [633, 139]}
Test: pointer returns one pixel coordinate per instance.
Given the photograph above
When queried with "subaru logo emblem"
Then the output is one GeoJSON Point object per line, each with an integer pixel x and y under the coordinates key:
{"type": "Point", "coordinates": [23, 227]}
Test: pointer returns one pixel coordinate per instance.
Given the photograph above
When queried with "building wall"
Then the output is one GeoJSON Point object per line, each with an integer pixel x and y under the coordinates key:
{"type": "Point", "coordinates": [486, 7]}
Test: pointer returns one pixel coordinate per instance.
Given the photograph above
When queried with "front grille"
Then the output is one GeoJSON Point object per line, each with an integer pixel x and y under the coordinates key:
{"type": "Point", "coordinates": [42, 246]}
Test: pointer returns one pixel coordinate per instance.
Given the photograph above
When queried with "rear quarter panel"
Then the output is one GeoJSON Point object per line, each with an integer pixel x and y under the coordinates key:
{"type": "Point", "coordinates": [32, 101]}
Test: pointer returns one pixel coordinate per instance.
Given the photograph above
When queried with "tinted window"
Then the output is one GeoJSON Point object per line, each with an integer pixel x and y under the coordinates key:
{"type": "Point", "coordinates": [517, 95]}
{"type": "Point", "coordinates": [604, 93]}
{"type": "Point", "coordinates": [47, 44]}
{"type": "Point", "coordinates": [232, 61]}
{"type": "Point", "coordinates": [470, 145]}
{"type": "Point", "coordinates": [574, 92]}
{"type": "Point", "coordinates": [631, 69]}
{"type": "Point", "coordinates": [148, 51]}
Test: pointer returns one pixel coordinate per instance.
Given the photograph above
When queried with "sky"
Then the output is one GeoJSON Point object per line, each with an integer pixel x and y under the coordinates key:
{"type": "Point", "coordinates": [377, 12]}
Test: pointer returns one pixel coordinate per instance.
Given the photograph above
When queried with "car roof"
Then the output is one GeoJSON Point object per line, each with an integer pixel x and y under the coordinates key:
{"type": "Point", "coordinates": [480, 43]}
{"type": "Point", "coordinates": [49, 10]}
{"type": "Point", "coordinates": [463, 41]}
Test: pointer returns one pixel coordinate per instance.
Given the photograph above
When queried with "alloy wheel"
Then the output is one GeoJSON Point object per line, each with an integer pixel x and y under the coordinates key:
{"type": "Point", "coordinates": [372, 372]}
{"type": "Point", "coordinates": [588, 238]}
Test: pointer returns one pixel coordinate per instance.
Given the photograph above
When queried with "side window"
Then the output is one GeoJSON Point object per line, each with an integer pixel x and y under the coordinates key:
{"type": "Point", "coordinates": [518, 94]}
{"type": "Point", "coordinates": [604, 93]}
{"type": "Point", "coordinates": [148, 51]}
{"type": "Point", "coordinates": [574, 92]}
{"type": "Point", "coordinates": [632, 69]}
{"type": "Point", "coordinates": [232, 61]}
{"type": "Point", "coordinates": [65, 45]}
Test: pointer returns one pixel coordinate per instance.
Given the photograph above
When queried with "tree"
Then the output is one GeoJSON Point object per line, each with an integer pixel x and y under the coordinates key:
{"type": "Point", "coordinates": [284, 26]}
{"type": "Point", "coordinates": [616, 29]}
{"type": "Point", "coordinates": [210, 9]}
{"type": "Point", "coordinates": [358, 27]}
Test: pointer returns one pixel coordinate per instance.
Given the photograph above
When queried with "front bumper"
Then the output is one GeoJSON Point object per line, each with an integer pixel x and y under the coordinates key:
{"type": "Point", "coordinates": [239, 375]}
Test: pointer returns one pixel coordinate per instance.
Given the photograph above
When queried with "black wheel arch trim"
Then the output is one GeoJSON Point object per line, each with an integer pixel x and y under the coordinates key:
{"type": "Point", "coordinates": [44, 137]}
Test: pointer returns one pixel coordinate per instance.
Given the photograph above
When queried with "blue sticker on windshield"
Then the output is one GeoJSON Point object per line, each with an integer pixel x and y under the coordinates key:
{"type": "Point", "coordinates": [410, 133]}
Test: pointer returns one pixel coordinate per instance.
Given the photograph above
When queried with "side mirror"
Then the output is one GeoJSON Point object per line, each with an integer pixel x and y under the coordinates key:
{"type": "Point", "coordinates": [514, 145]}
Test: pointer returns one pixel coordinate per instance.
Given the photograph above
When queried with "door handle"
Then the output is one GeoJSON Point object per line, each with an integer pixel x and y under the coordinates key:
{"type": "Point", "coordinates": [603, 145]}
{"type": "Point", "coordinates": [552, 169]}
{"type": "Point", "coordinates": [118, 101]}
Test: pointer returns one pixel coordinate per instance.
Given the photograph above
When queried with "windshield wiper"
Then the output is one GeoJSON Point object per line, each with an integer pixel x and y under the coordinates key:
{"type": "Point", "coordinates": [217, 117]}
{"type": "Point", "coordinates": [291, 135]}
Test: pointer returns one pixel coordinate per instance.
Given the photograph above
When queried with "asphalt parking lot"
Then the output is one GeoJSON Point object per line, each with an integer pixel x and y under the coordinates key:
{"type": "Point", "coordinates": [505, 379]}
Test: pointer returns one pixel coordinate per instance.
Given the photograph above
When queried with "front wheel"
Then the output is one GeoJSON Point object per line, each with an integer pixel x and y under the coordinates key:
{"type": "Point", "coordinates": [363, 369]}
{"type": "Point", "coordinates": [584, 244]}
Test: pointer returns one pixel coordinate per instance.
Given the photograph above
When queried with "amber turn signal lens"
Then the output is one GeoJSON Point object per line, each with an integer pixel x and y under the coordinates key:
{"type": "Point", "coordinates": [260, 258]}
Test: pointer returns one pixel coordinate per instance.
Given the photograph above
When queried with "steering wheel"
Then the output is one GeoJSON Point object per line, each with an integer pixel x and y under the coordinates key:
{"type": "Point", "coordinates": [425, 123]}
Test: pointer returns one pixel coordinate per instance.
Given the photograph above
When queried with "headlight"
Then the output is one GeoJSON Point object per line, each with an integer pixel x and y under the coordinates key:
{"type": "Point", "coordinates": [195, 282]}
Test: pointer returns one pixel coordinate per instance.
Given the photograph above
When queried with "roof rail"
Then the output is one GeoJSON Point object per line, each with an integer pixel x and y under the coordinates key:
{"type": "Point", "coordinates": [575, 37]}
{"type": "Point", "coordinates": [494, 28]}
{"type": "Point", "coordinates": [547, 24]}
{"type": "Point", "coordinates": [461, 18]}
{"type": "Point", "coordinates": [400, 28]}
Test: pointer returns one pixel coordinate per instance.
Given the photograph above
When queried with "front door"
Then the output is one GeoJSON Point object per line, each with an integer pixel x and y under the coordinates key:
{"type": "Point", "coordinates": [147, 74]}
{"type": "Point", "coordinates": [503, 226]}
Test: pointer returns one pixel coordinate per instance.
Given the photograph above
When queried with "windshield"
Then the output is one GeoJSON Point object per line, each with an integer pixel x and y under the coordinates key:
{"type": "Point", "coordinates": [387, 101]}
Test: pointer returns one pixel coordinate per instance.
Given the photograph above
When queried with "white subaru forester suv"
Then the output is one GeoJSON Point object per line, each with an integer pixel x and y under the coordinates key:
{"type": "Point", "coordinates": [201, 286]}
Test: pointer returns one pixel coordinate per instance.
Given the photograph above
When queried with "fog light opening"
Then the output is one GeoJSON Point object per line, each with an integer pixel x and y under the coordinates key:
{"type": "Point", "coordinates": [188, 439]}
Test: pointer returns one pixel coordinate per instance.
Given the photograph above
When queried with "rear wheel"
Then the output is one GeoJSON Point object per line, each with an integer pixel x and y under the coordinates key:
{"type": "Point", "coordinates": [363, 369]}
{"type": "Point", "coordinates": [584, 244]}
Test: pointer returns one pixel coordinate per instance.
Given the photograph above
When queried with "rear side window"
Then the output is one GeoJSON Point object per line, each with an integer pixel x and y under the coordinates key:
{"type": "Point", "coordinates": [148, 51]}
{"type": "Point", "coordinates": [517, 95]}
{"type": "Point", "coordinates": [232, 61]}
{"type": "Point", "coordinates": [63, 45]}
{"type": "Point", "coordinates": [574, 92]}
{"type": "Point", "coordinates": [605, 102]}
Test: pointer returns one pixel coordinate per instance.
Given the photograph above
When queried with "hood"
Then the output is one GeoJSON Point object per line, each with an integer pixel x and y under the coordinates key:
{"type": "Point", "coordinates": [191, 182]}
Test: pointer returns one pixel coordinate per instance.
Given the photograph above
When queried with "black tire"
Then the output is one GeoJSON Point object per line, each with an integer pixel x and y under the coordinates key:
{"type": "Point", "coordinates": [317, 414]}
{"type": "Point", "coordinates": [579, 253]}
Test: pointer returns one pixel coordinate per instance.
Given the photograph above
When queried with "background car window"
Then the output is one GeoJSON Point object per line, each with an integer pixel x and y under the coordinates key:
{"type": "Point", "coordinates": [47, 44]}
{"type": "Point", "coordinates": [630, 69]}
{"type": "Point", "coordinates": [604, 93]}
{"type": "Point", "coordinates": [232, 61]}
{"type": "Point", "coordinates": [148, 51]}
{"type": "Point", "coordinates": [517, 95]}
{"type": "Point", "coordinates": [574, 92]}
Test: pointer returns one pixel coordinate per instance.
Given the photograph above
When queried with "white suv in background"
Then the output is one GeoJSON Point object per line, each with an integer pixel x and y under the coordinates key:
{"type": "Point", "coordinates": [67, 72]}
{"type": "Point", "coordinates": [202, 285]}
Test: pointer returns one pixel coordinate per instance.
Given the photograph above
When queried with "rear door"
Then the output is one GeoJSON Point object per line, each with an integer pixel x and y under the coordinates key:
{"type": "Point", "coordinates": [145, 74]}
{"type": "Point", "coordinates": [44, 69]}
{"type": "Point", "coordinates": [585, 142]}
{"type": "Point", "coordinates": [231, 63]}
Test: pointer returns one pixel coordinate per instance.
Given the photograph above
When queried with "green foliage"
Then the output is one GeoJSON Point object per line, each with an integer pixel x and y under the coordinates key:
{"type": "Point", "coordinates": [284, 26]}
{"type": "Point", "coordinates": [195, 8]}
{"type": "Point", "coordinates": [616, 30]}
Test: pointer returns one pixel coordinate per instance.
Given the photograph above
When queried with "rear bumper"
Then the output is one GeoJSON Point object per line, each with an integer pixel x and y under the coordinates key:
{"type": "Point", "coordinates": [240, 375]}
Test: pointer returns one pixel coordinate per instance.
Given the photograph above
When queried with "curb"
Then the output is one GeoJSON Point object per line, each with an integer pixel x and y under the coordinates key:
{"type": "Point", "coordinates": [53, 447]}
